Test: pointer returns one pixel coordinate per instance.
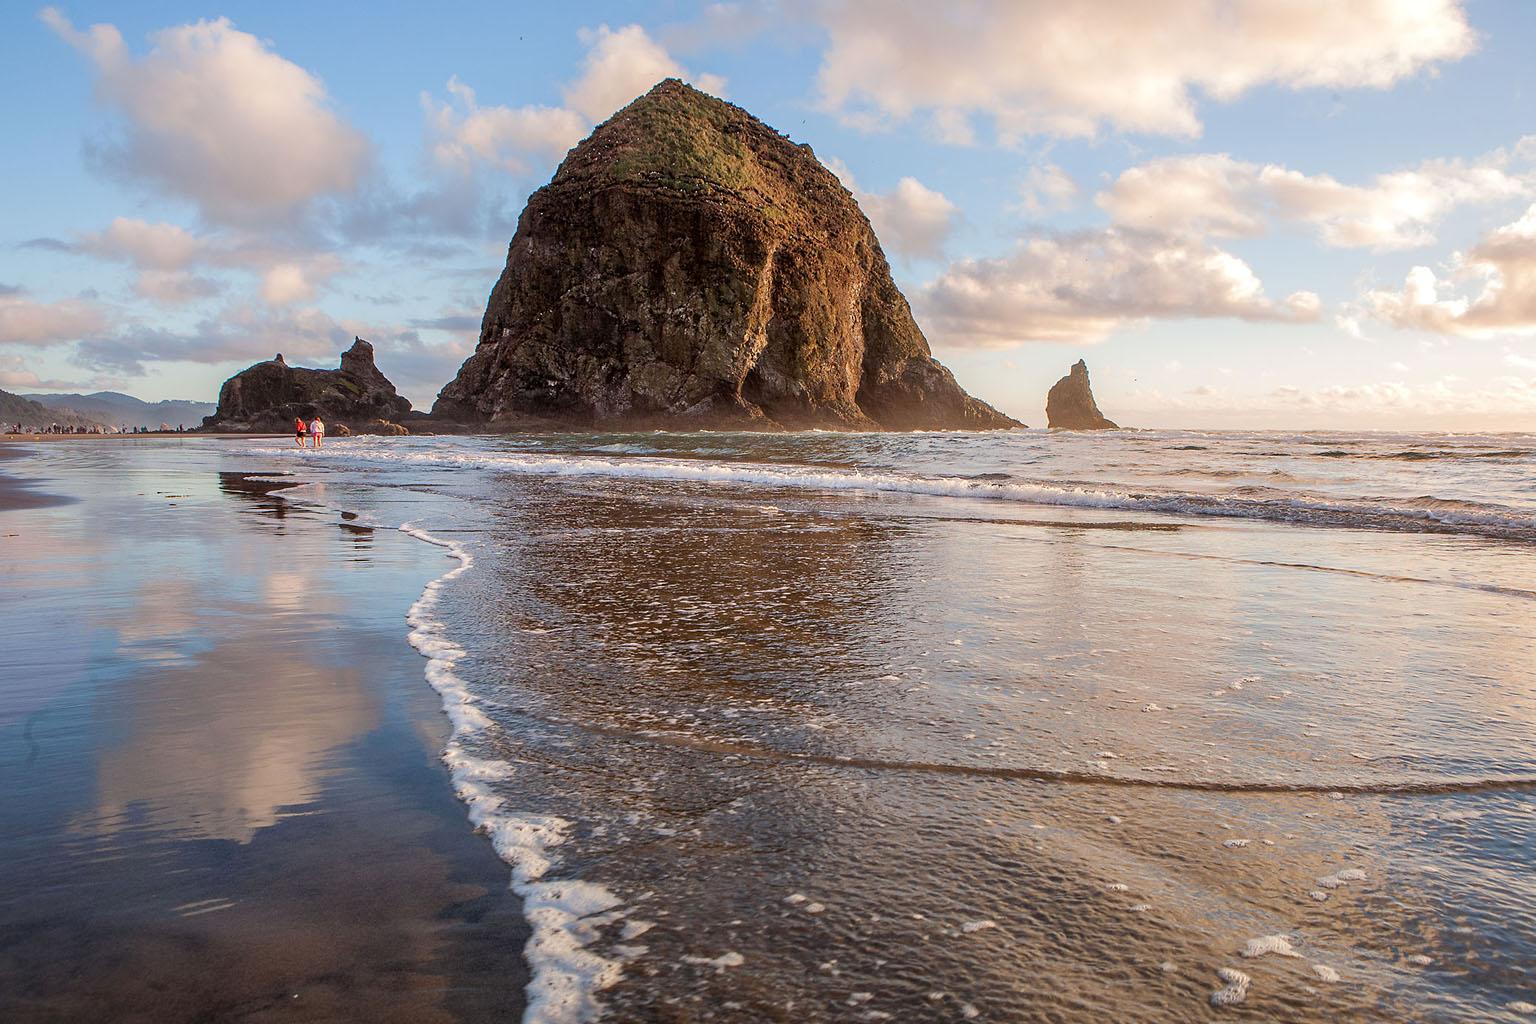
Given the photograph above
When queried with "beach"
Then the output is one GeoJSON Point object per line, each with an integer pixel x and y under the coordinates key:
{"type": "Point", "coordinates": [223, 797]}
{"type": "Point", "coordinates": [1018, 726]}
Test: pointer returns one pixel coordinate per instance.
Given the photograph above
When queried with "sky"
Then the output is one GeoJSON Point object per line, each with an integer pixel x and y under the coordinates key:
{"type": "Point", "coordinates": [1295, 214]}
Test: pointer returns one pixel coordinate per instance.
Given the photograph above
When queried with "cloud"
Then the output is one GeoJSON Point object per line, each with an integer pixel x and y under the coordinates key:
{"type": "Point", "coordinates": [174, 287]}
{"type": "Point", "coordinates": [165, 254]}
{"type": "Point", "coordinates": [213, 115]}
{"type": "Point", "coordinates": [1068, 67]}
{"type": "Point", "coordinates": [1080, 287]}
{"type": "Point", "coordinates": [284, 284]}
{"type": "Point", "coordinates": [468, 321]}
{"type": "Point", "coordinates": [620, 64]}
{"type": "Point", "coordinates": [912, 219]}
{"type": "Point", "coordinates": [1489, 291]}
{"type": "Point", "coordinates": [1213, 194]}
{"type": "Point", "coordinates": [507, 137]}
{"type": "Point", "coordinates": [246, 333]}
{"type": "Point", "coordinates": [25, 321]}
{"type": "Point", "coordinates": [1501, 402]}
{"type": "Point", "coordinates": [14, 373]}
{"type": "Point", "coordinates": [1046, 189]}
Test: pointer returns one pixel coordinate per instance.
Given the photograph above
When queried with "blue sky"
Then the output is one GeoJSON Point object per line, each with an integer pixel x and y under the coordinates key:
{"type": "Point", "coordinates": [1241, 213]}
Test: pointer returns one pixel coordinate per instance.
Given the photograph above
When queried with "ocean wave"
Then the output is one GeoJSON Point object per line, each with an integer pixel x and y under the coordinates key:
{"type": "Point", "coordinates": [1422, 514]}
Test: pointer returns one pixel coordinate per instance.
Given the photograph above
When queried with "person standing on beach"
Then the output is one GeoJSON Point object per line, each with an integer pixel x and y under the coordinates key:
{"type": "Point", "coordinates": [300, 431]}
{"type": "Point", "coordinates": [317, 430]}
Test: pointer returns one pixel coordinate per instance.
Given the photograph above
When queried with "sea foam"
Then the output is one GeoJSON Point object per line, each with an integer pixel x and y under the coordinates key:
{"type": "Point", "coordinates": [565, 914]}
{"type": "Point", "coordinates": [1304, 508]}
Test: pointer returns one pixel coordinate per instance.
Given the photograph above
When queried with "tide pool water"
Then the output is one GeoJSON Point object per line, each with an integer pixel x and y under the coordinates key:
{"type": "Point", "coordinates": [1135, 726]}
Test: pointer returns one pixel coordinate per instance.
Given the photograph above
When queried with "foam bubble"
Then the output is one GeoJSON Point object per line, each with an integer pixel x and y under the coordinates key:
{"type": "Point", "coordinates": [1340, 878]}
{"type": "Point", "coordinates": [1234, 991]}
{"type": "Point", "coordinates": [1280, 945]}
{"type": "Point", "coordinates": [1325, 973]}
{"type": "Point", "coordinates": [730, 958]}
{"type": "Point", "coordinates": [971, 927]}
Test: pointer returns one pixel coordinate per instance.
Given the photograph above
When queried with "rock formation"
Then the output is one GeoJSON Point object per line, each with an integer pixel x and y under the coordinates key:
{"type": "Point", "coordinates": [268, 397]}
{"type": "Point", "coordinates": [1070, 404]}
{"type": "Point", "coordinates": [688, 266]}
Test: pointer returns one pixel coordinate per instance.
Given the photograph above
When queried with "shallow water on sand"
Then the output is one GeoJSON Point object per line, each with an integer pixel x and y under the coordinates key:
{"type": "Point", "coordinates": [219, 790]}
{"type": "Point", "coordinates": [1008, 727]}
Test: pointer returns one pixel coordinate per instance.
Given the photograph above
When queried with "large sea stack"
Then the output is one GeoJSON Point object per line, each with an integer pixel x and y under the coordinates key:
{"type": "Point", "coordinates": [1070, 404]}
{"type": "Point", "coordinates": [269, 396]}
{"type": "Point", "coordinates": [688, 266]}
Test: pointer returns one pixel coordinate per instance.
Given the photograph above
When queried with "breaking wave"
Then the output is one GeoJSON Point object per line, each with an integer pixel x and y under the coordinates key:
{"type": "Point", "coordinates": [1422, 514]}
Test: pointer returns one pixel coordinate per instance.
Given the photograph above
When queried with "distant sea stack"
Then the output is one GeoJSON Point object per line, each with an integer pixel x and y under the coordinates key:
{"type": "Point", "coordinates": [1070, 404]}
{"type": "Point", "coordinates": [268, 397]}
{"type": "Point", "coordinates": [690, 267]}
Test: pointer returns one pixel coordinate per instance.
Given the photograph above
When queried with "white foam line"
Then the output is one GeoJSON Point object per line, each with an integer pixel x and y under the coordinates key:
{"type": "Point", "coordinates": [1300, 509]}
{"type": "Point", "coordinates": [565, 915]}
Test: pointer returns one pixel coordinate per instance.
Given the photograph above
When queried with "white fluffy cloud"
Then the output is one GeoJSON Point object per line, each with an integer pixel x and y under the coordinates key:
{"type": "Point", "coordinates": [213, 115]}
{"type": "Point", "coordinates": [1066, 67]}
{"type": "Point", "coordinates": [1489, 291]}
{"type": "Point", "coordinates": [463, 132]}
{"type": "Point", "coordinates": [911, 220]}
{"type": "Point", "coordinates": [1046, 189]}
{"type": "Point", "coordinates": [620, 64]}
{"type": "Point", "coordinates": [166, 254]}
{"type": "Point", "coordinates": [14, 373]}
{"type": "Point", "coordinates": [25, 321]}
{"type": "Point", "coordinates": [149, 246]}
{"type": "Point", "coordinates": [1213, 194]}
{"type": "Point", "coordinates": [1080, 287]}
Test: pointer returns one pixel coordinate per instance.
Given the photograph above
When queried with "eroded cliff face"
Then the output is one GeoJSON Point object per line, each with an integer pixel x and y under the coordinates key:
{"type": "Point", "coordinates": [268, 397]}
{"type": "Point", "coordinates": [1070, 404]}
{"type": "Point", "coordinates": [688, 266]}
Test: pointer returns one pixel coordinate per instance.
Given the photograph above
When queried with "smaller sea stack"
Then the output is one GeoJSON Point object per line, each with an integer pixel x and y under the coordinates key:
{"type": "Point", "coordinates": [1070, 404]}
{"type": "Point", "coordinates": [268, 397]}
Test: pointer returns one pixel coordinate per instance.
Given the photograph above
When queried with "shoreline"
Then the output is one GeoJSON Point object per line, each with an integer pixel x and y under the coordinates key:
{"type": "Point", "coordinates": [156, 435]}
{"type": "Point", "coordinates": [243, 838]}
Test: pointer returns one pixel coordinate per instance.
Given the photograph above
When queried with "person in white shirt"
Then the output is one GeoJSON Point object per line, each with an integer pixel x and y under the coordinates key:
{"type": "Point", "coordinates": [317, 431]}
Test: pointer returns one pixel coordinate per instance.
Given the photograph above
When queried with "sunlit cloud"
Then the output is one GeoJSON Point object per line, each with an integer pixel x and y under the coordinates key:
{"type": "Point", "coordinates": [213, 115]}
{"type": "Point", "coordinates": [1081, 287]}
{"type": "Point", "coordinates": [1073, 67]}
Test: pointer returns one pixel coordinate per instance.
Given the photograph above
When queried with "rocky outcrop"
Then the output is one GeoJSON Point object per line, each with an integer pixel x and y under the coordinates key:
{"type": "Point", "coordinates": [268, 397]}
{"type": "Point", "coordinates": [688, 266]}
{"type": "Point", "coordinates": [1070, 404]}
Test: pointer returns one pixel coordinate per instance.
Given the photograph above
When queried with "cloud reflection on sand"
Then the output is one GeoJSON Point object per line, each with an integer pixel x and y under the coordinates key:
{"type": "Point", "coordinates": [219, 747]}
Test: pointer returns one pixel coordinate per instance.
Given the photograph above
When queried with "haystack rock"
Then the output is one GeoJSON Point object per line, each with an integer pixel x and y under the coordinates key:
{"type": "Point", "coordinates": [688, 266]}
{"type": "Point", "coordinates": [268, 397]}
{"type": "Point", "coordinates": [1070, 404]}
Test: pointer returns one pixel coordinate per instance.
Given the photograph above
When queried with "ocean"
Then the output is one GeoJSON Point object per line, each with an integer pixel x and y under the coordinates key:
{"type": "Point", "coordinates": [1140, 725]}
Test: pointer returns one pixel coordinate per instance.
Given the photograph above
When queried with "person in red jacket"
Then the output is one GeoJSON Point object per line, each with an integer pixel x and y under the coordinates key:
{"type": "Point", "coordinates": [300, 431]}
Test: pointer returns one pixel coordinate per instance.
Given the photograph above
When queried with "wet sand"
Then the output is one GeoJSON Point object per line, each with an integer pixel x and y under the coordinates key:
{"type": "Point", "coordinates": [221, 796]}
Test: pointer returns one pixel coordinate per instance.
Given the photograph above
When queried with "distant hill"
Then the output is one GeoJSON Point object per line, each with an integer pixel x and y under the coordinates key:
{"type": "Point", "coordinates": [120, 410]}
{"type": "Point", "coordinates": [19, 409]}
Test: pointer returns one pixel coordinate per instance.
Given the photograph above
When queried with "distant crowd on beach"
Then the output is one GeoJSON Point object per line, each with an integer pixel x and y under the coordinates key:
{"type": "Point", "coordinates": [68, 428]}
